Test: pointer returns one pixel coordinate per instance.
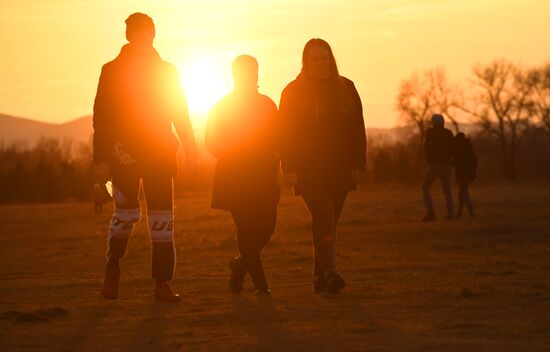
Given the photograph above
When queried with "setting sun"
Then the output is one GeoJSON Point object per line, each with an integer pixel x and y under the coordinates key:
{"type": "Point", "coordinates": [204, 83]}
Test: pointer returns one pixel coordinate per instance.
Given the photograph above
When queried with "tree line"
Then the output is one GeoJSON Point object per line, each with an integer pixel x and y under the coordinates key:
{"type": "Point", "coordinates": [504, 109]}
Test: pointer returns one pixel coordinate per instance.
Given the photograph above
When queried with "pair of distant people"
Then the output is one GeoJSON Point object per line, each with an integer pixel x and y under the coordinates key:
{"type": "Point", "coordinates": [317, 136]}
{"type": "Point", "coordinates": [443, 151]}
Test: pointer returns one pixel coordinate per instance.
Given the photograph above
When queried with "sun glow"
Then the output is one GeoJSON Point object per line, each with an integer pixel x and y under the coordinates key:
{"type": "Point", "coordinates": [204, 84]}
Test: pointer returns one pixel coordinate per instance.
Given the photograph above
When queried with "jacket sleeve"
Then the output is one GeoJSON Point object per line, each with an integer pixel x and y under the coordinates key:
{"type": "Point", "coordinates": [359, 134]}
{"type": "Point", "coordinates": [181, 120]}
{"type": "Point", "coordinates": [428, 147]}
{"type": "Point", "coordinates": [102, 140]}
{"type": "Point", "coordinates": [286, 139]}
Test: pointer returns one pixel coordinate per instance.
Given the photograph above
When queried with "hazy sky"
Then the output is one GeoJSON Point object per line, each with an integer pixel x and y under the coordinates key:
{"type": "Point", "coordinates": [53, 50]}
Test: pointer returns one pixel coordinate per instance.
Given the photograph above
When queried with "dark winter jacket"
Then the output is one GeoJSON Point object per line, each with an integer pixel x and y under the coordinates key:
{"type": "Point", "coordinates": [465, 161]}
{"type": "Point", "coordinates": [241, 133]}
{"type": "Point", "coordinates": [439, 146]}
{"type": "Point", "coordinates": [323, 134]}
{"type": "Point", "coordinates": [138, 99]}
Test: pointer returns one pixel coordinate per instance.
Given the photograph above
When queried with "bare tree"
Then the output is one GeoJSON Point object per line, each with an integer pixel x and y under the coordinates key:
{"type": "Point", "coordinates": [502, 108]}
{"type": "Point", "coordinates": [539, 78]}
{"type": "Point", "coordinates": [423, 95]}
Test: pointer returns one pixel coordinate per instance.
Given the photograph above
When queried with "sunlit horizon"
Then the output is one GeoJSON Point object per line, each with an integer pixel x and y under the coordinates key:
{"type": "Point", "coordinates": [55, 49]}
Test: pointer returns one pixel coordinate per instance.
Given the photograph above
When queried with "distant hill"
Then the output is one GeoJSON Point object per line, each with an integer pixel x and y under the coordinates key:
{"type": "Point", "coordinates": [28, 132]}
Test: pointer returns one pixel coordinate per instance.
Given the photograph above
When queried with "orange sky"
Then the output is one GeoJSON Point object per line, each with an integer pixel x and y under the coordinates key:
{"type": "Point", "coordinates": [52, 50]}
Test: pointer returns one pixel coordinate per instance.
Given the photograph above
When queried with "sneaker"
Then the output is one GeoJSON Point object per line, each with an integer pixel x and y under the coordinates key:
{"type": "Point", "coordinates": [110, 283]}
{"type": "Point", "coordinates": [335, 283]}
{"type": "Point", "coordinates": [238, 272]}
{"type": "Point", "coordinates": [263, 291]}
{"type": "Point", "coordinates": [164, 293]}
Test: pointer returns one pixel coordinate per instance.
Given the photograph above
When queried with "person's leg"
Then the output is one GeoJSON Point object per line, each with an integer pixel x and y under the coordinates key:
{"type": "Point", "coordinates": [255, 227]}
{"type": "Point", "coordinates": [428, 202]}
{"type": "Point", "coordinates": [321, 208]}
{"type": "Point", "coordinates": [468, 200]}
{"type": "Point", "coordinates": [445, 175]}
{"type": "Point", "coordinates": [160, 219]}
{"type": "Point", "coordinates": [125, 216]}
{"type": "Point", "coordinates": [460, 199]}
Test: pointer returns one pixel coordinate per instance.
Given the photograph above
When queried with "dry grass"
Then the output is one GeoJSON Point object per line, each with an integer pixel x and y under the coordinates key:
{"type": "Point", "coordinates": [470, 284]}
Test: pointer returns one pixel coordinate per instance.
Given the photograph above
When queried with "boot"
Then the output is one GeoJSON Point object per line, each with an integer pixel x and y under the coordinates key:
{"type": "Point", "coordinates": [110, 283]}
{"type": "Point", "coordinates": [164, 293]}
{"type": "Point", "coordinates": [319, 284]}
{"type": "Point", "coordinates": [335, 283]}
{"type": "Point", "coordinates": [238, 272]}
{"type": "Point", "coordinates": [259, 280]}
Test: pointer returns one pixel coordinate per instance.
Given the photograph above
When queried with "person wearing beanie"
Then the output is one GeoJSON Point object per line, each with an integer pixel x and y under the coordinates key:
{"type": "Point", "coordinates": [241, 133]}
{"type": "Point", "coordinates": [439, 156]}
{"type": "Point", "coordinates": [139, 99]}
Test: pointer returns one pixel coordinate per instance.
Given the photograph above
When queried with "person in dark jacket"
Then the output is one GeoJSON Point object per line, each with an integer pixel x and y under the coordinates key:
{"type": "Point", "coordinates": [465, 162]}
{"type": "Point", "coordinates": [241, 133]}
{"type": "Point", "coordinates": [323, 150]}
{"type": "Point", "coordinates": [138, 100]}
{"type": "Point", "coordinates": [439, 156]}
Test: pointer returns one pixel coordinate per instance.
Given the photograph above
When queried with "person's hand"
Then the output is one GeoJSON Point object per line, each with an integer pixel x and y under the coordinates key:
{"type": "Point", "coordinates": [102, 172]}
{"type": "Point", "coordinates": [291, 178]}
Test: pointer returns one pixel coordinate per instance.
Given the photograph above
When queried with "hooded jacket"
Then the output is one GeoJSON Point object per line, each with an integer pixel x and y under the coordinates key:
{"type": "Point", "coordinates": [323, 134]}
{"type": "Point", "coordinates": [139, 98]}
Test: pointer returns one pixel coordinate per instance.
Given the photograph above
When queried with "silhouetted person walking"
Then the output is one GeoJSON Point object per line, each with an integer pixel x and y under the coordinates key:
{"type": "Point", "coordinates": [439, 155]}
{"type": "Point", "coordinates": [465, 161]}
{"type": "Point", "coordinates": [138, 99]}
{"type": "Point", "coordinates": [323, 150]}
{"type": "Point", "coordinates": [241, 134]}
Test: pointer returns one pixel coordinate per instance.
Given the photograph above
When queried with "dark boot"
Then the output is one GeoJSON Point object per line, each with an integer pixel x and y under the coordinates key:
{"type": "Point", "coordinates": [238, 272]}
{"type": "Point", "coordinates": [110, 283]}
{"type": "Point", "coordinates": [258, 278]}
{"type": "Point", "coordinates": [319, 284]}
{"type": "Point", "coordinates": [335, 283]}
{"type": "Point", "coordinates": [164, 293]}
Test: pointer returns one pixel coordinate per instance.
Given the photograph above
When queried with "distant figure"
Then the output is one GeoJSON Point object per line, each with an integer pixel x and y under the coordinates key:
{"type": "Point", "coordinates": [465, 171]}
{"type": "Point", "coordinates": [241, 134]}
{"type": "Point", "coordinates": [99, 197]}
{"type": "Point", "coordinates": [439, 154]}
{"type": "Point", "coordinates": [323, 150]}
{"type": "Point", "coordinates": [138, 99]}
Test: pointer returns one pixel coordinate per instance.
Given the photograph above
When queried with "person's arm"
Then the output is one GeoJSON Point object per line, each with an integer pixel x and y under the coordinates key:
{"type": "Point", "coordinates": [359, 134]}
{"type": "Point", "coordinates": [102, 138]}
{"type": "Point", "coordinates": [287, 131]}
{"type": "Point", "coordinates": [428, 147]}
{"type": "Point", "coordinates": [180, 119]}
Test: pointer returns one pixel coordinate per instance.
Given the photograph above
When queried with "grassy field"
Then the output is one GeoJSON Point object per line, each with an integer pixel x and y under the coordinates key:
{"type": "Point", "coordinates": [479, 284]}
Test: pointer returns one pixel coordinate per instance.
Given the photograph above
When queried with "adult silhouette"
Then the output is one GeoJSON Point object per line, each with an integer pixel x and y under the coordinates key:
{"type": "Point", "coordinates": [465, 161]}
{"type": "Point", "coordinates": [139, 99]}
{"type": "Point", "coordinates": [241, 133]}
{"type": "Point", "coordinates": [439, 156]}
{"type": "Point", "coordinates": [323, 150]}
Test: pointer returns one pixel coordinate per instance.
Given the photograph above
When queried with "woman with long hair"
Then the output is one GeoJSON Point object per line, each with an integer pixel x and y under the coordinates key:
{"type": "Point", "coordinates": [323, 149]}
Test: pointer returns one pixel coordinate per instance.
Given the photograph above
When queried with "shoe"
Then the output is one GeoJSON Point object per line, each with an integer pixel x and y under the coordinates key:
{"type": "Point", "coordinates": [110, 283]}
{"type": "Point", "coordinates": [164, 293]}
{"type": "Point", "coordinates": [429, 217]}
{"type": "Point", "coordinates": [258, 278]}
{"type": "Point", "coordinates": [262, 291]}
{"type": "Point", "coordinates": [319, 285]}
{"type": "Point", "coordinates": [238, 272]}
{"type": "Point", "coordinates": [335, 283]}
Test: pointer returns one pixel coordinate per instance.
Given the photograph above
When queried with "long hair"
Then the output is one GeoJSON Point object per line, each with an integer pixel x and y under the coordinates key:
{"type": "Point", "coordinates": [320, 43]}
